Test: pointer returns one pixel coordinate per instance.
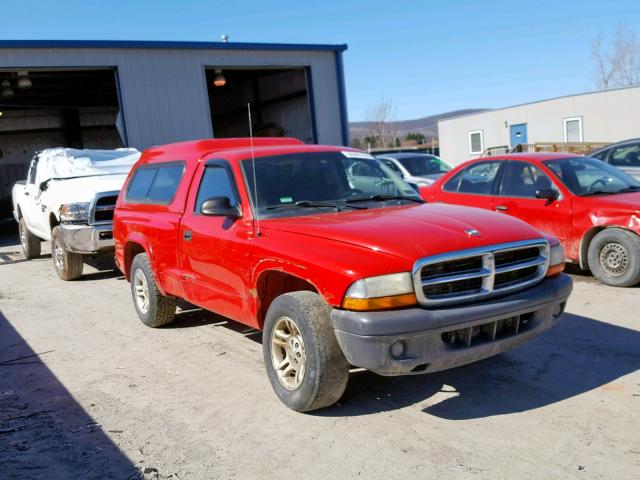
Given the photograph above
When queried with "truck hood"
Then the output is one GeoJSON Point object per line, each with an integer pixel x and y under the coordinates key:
{"type": "Point", "coordinates": [84, 189]}
{"type": "Point", "coordinates": [410, 232]}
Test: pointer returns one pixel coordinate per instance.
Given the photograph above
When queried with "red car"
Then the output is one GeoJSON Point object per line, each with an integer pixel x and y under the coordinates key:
{"type": "Point", "coordinates": [334, 257]}
{"type": "Point", "coordinates": [590, 206]}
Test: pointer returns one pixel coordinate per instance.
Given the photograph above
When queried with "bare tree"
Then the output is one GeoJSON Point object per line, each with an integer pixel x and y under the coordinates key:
{"type": "Point", "coordinates": [617, 63]}
{"type": "Point", "coordinates": [381, 125]}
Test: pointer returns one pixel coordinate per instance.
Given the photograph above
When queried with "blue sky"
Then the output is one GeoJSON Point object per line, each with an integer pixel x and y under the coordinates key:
{"type": "Point", "coordinates": [425, 57]}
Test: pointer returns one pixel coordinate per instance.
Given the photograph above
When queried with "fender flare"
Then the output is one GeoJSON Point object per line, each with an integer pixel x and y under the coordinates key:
{"type": "Point", "coordinates": [139, 239]}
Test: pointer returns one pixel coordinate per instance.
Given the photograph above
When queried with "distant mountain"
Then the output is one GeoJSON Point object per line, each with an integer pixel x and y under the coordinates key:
{"type": "Point", "coordinates": [428, 126]}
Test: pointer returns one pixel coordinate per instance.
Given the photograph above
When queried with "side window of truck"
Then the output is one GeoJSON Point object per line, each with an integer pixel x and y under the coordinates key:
{"type": "Point", "coordinates": [31, 176]}
{"type": "Point", "coordinates": [216, 182]}
{"type": "Point", "coordinates": [155, 184]}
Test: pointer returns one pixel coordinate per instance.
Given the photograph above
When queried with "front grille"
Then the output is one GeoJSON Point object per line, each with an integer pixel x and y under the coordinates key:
{"type": "Point", "coordinates": [463, 286]}
{"type": "Point", "coordinates": [481, 272]}
{"type": "Point", "coordinates": [487, 332]}
{"type": "Point", "coordinates": [103, 208]}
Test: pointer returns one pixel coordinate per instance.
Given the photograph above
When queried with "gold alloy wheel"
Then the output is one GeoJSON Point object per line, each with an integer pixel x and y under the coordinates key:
{"type": "Point", "coordinates": [287, 353]}
{"type": "Point", "coordinates": [141, 289]}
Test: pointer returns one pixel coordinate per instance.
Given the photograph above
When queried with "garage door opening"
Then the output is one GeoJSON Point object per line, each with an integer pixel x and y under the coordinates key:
{"type": "Point", "coordinates": [42, 108]}
{"type": "Point", "coordinates": [279, 97]}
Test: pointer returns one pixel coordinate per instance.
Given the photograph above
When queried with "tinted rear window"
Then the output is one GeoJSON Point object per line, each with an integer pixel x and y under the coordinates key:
{"type": "Point", "coordinates": [156, 184]}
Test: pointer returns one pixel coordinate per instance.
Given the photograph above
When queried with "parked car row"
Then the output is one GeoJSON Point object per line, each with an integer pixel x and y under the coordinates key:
{"type": "Point", "coordinates": [332, 252]}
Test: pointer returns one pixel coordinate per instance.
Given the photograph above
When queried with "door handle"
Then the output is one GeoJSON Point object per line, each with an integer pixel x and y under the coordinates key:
{"type": "Point", "coordinates": [502, 208]}
{"type": "Point", "coordinates": [187, 234]}
{"type": "Point", "coordinates": [26, 193]}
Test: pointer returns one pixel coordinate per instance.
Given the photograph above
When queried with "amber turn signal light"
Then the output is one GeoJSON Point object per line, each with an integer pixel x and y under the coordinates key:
{"type": "Point", "coordinates": [379, 303]}
{"type": "Point", "coordinates": [555, 269]}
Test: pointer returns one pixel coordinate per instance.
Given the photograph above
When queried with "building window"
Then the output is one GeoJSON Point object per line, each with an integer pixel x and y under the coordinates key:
{"type": "Point", "coordinates": [573, 129]}
{"type": "Point", "coordinates": [476, 142]}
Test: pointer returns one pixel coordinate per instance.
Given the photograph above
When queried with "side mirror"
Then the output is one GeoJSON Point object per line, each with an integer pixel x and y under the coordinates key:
{"type": "Point", "coordinates": [220, 207]}
{"type": "Point", "coordinates": [548, 194]}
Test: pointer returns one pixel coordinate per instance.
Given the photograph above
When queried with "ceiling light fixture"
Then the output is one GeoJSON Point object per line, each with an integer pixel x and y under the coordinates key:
{"type": "Point", "coordinates": [6, 91]}
{"type": "Point", "coordinates": [218, 78]}
{"type": "Point", "coordinates": [24, 81]}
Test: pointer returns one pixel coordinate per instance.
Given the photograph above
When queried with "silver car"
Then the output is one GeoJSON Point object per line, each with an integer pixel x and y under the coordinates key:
{"type": "Point", "coordinates": [624, 155]}
{"type": "Point", "coordinates": [416, 168]}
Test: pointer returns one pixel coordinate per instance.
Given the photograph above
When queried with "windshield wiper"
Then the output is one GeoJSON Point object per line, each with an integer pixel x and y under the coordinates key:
{"type": "Point", "coordinates": [597, 192]}
{"type": "Point", "coordinates": [382, 198]}
{"type": "Point", "coordinates": [630, 188]}
{"type": "Point", "coordinates": [310, 204]}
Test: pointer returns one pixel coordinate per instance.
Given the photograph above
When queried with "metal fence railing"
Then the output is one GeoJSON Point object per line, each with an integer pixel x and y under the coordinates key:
{"type": "Point", "coordinates": [580, 148]}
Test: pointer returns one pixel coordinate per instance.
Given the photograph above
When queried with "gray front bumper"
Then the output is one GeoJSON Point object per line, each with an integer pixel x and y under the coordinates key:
{"type": "Point", "coordinates": [87, 238]}
{"type": "Point", "coordinates": [366, 337]}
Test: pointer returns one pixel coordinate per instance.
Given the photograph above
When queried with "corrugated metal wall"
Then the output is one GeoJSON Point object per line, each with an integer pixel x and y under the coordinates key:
{"type": "Point", "coordinates": [163, 91]}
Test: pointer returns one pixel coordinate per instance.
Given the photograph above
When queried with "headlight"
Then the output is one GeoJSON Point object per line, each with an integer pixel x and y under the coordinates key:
{"type": "Point", "coordinates": [74, 212]}
{"type": "Point", "coordinates": [380, 293]}
{"type": "Point", "coordinates": [556, 260]}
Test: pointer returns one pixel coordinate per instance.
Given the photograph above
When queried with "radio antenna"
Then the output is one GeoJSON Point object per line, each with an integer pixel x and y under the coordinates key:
{"type": "Point", "coordinates": [255, 180]}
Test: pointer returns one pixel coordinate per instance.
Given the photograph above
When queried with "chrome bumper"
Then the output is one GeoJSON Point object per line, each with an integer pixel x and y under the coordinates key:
{"type": "Point", "coordinates": [87, 238]}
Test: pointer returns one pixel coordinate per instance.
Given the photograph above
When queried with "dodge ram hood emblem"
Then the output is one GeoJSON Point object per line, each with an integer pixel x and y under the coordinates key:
{"type": "Point", "coordinates": [472, 232]}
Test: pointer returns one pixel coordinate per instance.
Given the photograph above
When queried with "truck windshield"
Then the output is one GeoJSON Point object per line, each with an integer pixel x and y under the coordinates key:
{"type": "Point", "coordinates": [303, 183]}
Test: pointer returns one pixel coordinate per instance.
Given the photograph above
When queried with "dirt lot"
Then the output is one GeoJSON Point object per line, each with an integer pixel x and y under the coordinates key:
{"type": "Point", "coordinates": [87, 391]}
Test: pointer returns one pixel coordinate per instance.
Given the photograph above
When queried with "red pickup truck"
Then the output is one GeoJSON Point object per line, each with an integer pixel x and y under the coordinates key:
{"type": "Point", "coordinates": [334, 257]}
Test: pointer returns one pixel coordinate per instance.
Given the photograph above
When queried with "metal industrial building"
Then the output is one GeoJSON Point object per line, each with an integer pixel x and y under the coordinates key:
{"type": "Point", "coordinates": [109, 94]}
{"type": "Point", "coordinates": [592, 118]}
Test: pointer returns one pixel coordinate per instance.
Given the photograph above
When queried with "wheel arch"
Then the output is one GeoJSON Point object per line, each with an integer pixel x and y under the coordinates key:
{"type": "Point", "coordinates": [53, 221]}
{"type": "Point", "coordinates": [589, 236]}
{"type": "Point", "coordinates": [272, 283]}
{"type": "Point", "coordinates": [133, 246]}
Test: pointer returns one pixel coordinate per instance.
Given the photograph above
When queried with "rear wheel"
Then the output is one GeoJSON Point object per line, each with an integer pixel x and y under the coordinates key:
{"type": "Point", "coordinates": [30, 243]}
{"type": "Point", "coordinates": [614, 257]}
{"type": "Point", "coordinates": [153, 308]}
{"type": "Point", "coordinates": [304, 363]}
{"type": "Point", "coordinates": [68, 265]}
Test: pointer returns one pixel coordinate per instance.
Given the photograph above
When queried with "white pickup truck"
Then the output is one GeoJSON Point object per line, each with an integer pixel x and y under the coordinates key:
{"type": "Point", "coordinates": [68, 198]}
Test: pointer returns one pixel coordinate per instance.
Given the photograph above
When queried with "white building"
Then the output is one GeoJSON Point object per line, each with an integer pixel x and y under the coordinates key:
{"type": "Point", "coordinates": [594, 117]}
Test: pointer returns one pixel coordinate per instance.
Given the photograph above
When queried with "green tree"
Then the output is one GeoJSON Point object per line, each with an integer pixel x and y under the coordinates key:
{"type": "Point", "coordinates": [417, 137]}
{"type": "Point", "coordinates": [370, 141]}
{"type": "Point", "coordinates": [356, 143]}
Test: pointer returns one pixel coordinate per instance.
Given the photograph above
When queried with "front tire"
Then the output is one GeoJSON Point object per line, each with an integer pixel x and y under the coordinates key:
{"type": "Point", "coordinates": [304, 363]}
{"type": "Point", "coordinates": [68, 265]}
{"type": "Point", "coordinates": [154, 309]}
{"type": "Point", "coordinates": [31, 245]}
{"type": "Point", "coordinates": [614, 257]}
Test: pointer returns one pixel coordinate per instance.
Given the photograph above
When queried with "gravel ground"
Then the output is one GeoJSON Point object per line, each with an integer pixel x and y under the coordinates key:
{"type": "Point", "coordinates": [87, 391]}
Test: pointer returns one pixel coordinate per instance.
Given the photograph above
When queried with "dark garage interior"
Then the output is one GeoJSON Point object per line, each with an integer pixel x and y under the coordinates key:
{"type": "Point", "coordinates": [54, 108]}
{"type": "Point", "coordinates": [279, 98]}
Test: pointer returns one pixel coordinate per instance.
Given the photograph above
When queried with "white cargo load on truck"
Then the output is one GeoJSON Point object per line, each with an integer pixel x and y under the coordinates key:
{"type": "Point", "coordinates": [61, 163]}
